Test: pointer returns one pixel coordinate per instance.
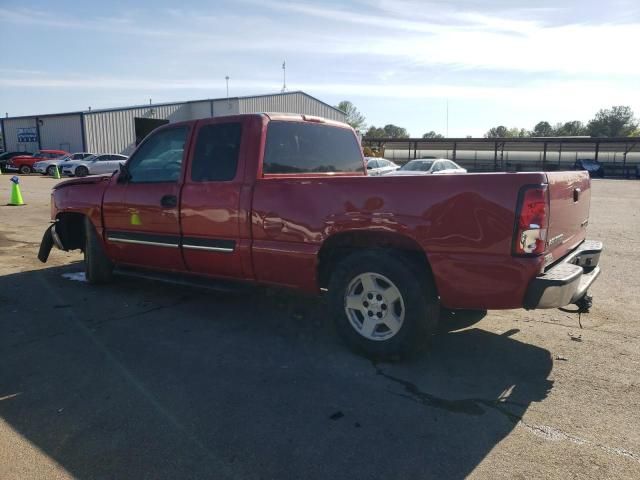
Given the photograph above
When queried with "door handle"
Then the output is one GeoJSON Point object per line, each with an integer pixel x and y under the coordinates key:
{"type": "Point", "coordinates": [169, 201]}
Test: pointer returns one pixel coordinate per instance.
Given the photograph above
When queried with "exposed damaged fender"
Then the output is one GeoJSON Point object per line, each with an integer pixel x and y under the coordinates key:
{"type": "Point", "coordinates": [49, 239]}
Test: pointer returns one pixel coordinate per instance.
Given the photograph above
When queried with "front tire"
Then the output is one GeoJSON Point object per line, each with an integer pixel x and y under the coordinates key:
{"type": "Point", "coordinates": [81, 172]}
{"type": "Point", "coordinates": [25, 169]}
{"type": "Point", "coordinates": [381, 306]}
{"type": "Point", "coordinates": [51, 171]}
{"type": "Point", "coordinates": [97, 266]}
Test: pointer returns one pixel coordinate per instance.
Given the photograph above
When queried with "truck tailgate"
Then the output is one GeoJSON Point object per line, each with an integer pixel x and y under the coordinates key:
{"type": "Point", "coordinates": [569, 198]}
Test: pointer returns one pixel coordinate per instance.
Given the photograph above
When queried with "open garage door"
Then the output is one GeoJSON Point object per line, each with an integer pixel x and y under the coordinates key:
{"type": "Point", "coordinates": [144, 126]}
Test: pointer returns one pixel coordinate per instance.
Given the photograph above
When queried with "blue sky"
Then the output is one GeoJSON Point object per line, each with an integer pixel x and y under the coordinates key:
{"type": "Point", "coordinates": [496, 61]}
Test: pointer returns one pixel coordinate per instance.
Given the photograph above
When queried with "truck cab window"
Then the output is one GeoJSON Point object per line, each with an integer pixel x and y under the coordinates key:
{"type": "Point", "coordinates": [295, 147]}
{"type": "Point", "coordinates": [159, 158]}
{"type": "Point", "coordinates": [216, 153]}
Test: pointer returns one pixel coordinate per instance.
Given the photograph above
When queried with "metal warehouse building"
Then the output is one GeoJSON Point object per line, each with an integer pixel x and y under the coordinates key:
{"type": "Point", "coordinates": [118, 130]}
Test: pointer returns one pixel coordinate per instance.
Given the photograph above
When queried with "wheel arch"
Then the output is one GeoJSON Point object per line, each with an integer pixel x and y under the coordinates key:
{"type": "Point", "coordinates": [70, 228]}
{"type": "Point", "coordinates": [340, 245]}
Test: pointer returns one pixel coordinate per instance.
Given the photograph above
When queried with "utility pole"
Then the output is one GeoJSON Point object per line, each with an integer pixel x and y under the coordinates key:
{"type": "Point", "coordinates": [447, 118]}
{"type": "Point", "coordinates": [284, 76]}
{"type": "Point", "coordinates": [227, 79]}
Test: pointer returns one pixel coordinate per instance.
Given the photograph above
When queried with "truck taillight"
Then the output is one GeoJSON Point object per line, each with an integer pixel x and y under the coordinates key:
{"type": "Point", "coordinates": [532, 221]}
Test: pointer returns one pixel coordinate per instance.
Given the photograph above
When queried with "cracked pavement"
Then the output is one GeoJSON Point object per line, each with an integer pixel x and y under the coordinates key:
{"type": "Point", "coordinates": [147, 380]}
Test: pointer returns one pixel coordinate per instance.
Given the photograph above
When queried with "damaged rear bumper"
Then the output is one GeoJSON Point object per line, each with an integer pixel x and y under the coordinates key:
{"type": "Point", "coordinates": [568, 281]}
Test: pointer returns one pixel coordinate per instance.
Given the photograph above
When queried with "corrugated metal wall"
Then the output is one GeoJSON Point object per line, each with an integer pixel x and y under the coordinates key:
{"type": "Point", "coordinates": [61, 132]}
{"type": "Point", "coordinates": [289, 103]}
{"type": "Point", "coordinates": [114, 131]}
{"type": "Point", "coordinates": [11, 126]}
{"type": "Point", "coordinates": [199, 110]}
{"type": "Point", "coordinates": [226, 107]}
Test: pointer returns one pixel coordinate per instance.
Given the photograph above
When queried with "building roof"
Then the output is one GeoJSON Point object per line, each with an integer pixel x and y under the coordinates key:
{"type": "Point", "coordinates": [147, 105]}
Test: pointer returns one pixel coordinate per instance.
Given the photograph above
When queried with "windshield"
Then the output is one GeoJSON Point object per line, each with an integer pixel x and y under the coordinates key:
{"type": "Point", "coordinates": [417, 165]}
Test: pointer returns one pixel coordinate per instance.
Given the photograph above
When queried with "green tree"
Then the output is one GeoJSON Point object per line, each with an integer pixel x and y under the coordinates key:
{"type": "Point", "coordinates": [497, 132]}
{"type": "Point", "coordinates": [518, 133]}
{"type": "Point", "coordinates": [354, 117]}
{"type": "Point", "coordinates": [432, 134]}
{"type": "Point", "coordinates": [504, 132]}
{"type": "Point", "coordinates": [393, 131]}
{"type": "Point", "coordinates": [543, 129]}
{"type": "Point", "coordinates": [616, 121]}
{"type": "Point", "coordinates": [388, 131]}
{"type": "Point", "coordinates": [375, 132]}
{"type": "Point", "coordinates": [574, 128]}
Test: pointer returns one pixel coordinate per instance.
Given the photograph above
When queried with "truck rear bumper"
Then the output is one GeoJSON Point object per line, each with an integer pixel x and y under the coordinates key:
{"type": "Point", "coordinates": [568, 281]}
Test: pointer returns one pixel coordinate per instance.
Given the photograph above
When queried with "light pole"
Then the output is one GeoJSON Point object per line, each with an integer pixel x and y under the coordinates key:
{"type": "Point", "coordinates": [284, 76]}
{"type": "Point", "coordinates": [227, 79]}
{"type": "Point", "coordinates": [447, 118]}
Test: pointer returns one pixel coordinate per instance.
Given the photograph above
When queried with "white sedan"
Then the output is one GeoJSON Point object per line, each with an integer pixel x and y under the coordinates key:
{"type": "Point", "coordinates": [429, 166]}
{"type": "Point", "coordinates": [46, 167]}
{"type": "Point", "coordinates": [379, 166]}
{"type": "Point", "coordinates": [94, 165]}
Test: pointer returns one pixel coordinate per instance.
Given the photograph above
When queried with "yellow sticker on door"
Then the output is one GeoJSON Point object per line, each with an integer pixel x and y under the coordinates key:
{"type": "Point", "coordinates": [135, 218]}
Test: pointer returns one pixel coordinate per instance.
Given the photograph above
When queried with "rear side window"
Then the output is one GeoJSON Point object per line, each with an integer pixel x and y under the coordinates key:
{"type": "Point", "coordinates": [216, 154]}
{"type": "Point", "coordinates": [295, 147]}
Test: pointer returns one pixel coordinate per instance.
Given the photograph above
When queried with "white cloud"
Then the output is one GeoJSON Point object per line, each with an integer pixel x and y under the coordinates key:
{"type": "Point", "coordinates": [378, 49]}
{"type": "Point", "coordinates": [443, 38]}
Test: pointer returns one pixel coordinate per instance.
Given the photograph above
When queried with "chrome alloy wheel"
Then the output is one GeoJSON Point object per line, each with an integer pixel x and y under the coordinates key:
{"type": "Point", "coordinates": [374, 306]}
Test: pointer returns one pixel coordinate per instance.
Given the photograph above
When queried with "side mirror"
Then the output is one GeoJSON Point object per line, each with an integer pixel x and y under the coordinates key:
{"type": "Point", "coordinates": [124, 176]}
{"type": "Point", "coordinates": [369, 167]}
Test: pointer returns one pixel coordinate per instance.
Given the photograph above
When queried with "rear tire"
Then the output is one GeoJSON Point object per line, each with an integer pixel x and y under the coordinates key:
{"type": "Point", "coordinates": [25, 169]}
{"type": "Point", "coordinates": [98, 267]}
{"type": "Point", "coordinates": [82, 172]}
{"type": "Point", "coordinates": [381, 307]}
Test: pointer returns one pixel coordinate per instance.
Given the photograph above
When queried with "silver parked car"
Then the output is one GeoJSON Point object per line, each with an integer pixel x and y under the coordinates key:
{"type": "Point", "coordinates": [429, 166]}
{"type": "Point", "coordinates": [94, 165]}
{"type": "Point", "coordinates": [46, 167]}
{"type": "Point", "coordinates": [379, 166]}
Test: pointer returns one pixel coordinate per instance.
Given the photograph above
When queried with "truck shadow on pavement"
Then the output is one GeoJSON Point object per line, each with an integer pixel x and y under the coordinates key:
{"type": "Point", "coordinates": [144, 380]}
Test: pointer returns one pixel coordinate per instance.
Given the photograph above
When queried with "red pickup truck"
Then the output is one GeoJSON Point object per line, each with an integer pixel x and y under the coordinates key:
{"type": "Point", "coordinates": [283, 199]}
{"type": "Point", "coordinates": [24, 163]}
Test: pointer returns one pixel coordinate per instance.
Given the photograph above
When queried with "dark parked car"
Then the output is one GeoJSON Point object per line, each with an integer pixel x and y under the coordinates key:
{"type": "Point", "coordinates": [594, 167]}
{"type": "Point", "coordinates": [6, 156]}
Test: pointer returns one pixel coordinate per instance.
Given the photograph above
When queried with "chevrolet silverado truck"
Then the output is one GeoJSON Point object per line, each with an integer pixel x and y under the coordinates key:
{"type": "Point", "coordinates": [283, 199]}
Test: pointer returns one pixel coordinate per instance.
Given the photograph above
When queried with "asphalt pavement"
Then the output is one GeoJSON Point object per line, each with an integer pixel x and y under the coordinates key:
{"type": "Point", "coordinates": [146, 380]}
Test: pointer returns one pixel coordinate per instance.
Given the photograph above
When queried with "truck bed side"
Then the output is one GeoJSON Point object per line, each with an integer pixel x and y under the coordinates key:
{"type": "Point", "coordinates": [464, 223]}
